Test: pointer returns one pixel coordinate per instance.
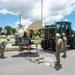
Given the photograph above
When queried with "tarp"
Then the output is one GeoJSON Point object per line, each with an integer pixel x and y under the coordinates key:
{"type": "Point", "coordinates": [35, 25]}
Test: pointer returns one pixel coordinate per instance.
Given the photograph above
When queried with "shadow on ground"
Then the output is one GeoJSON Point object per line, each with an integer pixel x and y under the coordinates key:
{"type": "Point", "coordinates": [58, 67]}
{"type": "Point", "coordinates": [30, 54]}
{"type": "Point", "coordinates": [46, 51]}
{"type": "Point", "coordinates": [52, 51]}
{"type": "Point", "coordinates": [1, 57]}
{"type": "Point", "coordinates": [69, 49]}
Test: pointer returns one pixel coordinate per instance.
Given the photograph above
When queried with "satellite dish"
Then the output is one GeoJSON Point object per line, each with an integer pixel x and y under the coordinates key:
{"type": "Point", "coordinates": [35, 25]}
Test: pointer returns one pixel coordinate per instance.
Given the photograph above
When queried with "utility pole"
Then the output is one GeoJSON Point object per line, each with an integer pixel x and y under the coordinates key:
{"type": "Point", "coordinates": [42, 11]}
{"type": "Point", "coordinates": [20, 22]}
{"type": "Point", "coordinates": [20, 19]}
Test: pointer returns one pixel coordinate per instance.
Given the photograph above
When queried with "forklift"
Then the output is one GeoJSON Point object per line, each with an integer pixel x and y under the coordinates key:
{"type": "Point", "coordinates": [48, 34]}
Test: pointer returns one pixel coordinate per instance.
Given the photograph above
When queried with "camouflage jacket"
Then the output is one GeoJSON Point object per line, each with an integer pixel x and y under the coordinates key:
{"type": "Point", "coordinates": [65, 40]}
{"type": "Point", "coordinates": [3, 44]}
{"type": "Point", "coordinates": [59, 44]}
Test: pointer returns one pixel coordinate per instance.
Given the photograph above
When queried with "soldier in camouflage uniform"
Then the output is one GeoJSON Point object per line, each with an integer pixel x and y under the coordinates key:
{"type": "Point", "coordinates": [59, 45]}
{"type": "Point", "coordinates": [65, 40]}
{"type": "Point", "coordinates": [2, 47]}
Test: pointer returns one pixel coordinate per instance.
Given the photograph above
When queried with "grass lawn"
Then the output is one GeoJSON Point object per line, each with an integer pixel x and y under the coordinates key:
{"type": "Point", "coordinates": [11, 42]}
{"type": "Point", "coordinates": [11, 36]}
{"type": "Point", "coordinates": [11, 49]}
{"type": "Point", "coordinates": [36, 41]}
{"type": "Point", "coordinates": [4, 36]}
{"type": "Point", "coordinates": [14, 49]}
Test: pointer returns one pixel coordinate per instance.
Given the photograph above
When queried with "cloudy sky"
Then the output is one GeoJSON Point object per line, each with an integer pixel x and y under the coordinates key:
{"type": "Point", "coordinates": [30, 11]}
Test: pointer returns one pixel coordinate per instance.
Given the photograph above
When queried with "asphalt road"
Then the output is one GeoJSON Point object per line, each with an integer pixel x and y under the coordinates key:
{"type": "Point", "coordinates": [17, 64]}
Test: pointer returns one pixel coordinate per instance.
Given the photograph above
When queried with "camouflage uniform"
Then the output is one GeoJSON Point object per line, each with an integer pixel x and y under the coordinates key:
{"type": "Point", "coordinates": [65, 40]}
{"type": "Point", "coordinates": [2, 47]}
{"type": "Point", "coordinates": [59, 45]}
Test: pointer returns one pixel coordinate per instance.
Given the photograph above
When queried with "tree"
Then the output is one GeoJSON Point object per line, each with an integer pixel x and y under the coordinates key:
{"type": "Point", "coordinates": [9, 30]}
{"type": "Point", "coordinates": [0, 29]}
{"type": "Point", "coordinates": [13, 30]}
{"type": "Point", "coordinates": [19, 25]}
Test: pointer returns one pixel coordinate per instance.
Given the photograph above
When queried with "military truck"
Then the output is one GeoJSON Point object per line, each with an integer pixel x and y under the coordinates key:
{"type": "Point", "coordinates": [48, 34]}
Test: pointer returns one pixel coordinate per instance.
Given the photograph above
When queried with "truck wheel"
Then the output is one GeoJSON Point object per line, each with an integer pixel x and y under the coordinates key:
{"type": "Point", "coordinates": [72, 44]}
{"type": "Point", "coordinates": [45, 44]}
{"type": "Point", "coordinates": [54, 45]}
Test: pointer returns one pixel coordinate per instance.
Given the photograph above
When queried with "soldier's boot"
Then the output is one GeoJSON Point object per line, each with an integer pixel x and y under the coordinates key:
{"type": "Point", "coordinates": [64, 55]}
{"type": "Point", "coordinates": [2, 56]}
{"type": "Point", "coordinates": [57, 63]}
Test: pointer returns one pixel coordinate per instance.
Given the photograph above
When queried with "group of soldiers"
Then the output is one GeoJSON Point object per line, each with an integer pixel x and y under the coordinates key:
{"type": "Point", "coordinates": [61, 45]}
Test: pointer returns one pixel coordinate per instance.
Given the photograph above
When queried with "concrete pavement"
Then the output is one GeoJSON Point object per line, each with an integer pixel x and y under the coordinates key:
{"type": "Point", "coordinates": [17, 64]}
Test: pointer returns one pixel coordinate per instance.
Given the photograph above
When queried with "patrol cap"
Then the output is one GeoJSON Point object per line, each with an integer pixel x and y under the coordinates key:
{"type": "Point", "coordinates": [57, 35]}
{"type": "Point", "coordinates": [63, 33]}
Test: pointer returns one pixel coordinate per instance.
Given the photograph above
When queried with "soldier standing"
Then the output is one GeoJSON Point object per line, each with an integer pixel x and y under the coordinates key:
{"type": "Point", "coordinates": [2, 47]}
{"type": "Point", "coordinates": [59, 45]}
{"type": "Point", "coordinates": [65, 40]}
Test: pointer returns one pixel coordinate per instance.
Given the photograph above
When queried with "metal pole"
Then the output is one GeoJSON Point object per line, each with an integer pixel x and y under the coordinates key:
{"type": "Point", "coordinates": [42, 11]}
{"type": "Point", "coordinates": [20, 19]}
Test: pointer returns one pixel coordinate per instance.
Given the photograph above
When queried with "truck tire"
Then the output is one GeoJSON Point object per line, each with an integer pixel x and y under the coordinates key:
{"type": "Point", "coordinates": [45, 44]}
{"type": "Point", "coordinates": [72, 44]}
{"type": "Point", "coordinates": [54, 46]}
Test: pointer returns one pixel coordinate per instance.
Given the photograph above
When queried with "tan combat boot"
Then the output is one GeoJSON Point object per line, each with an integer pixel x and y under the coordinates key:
{"type": "Point", "coordinates": [57, 63]}
{"type": "Point", "coordinates": [64, 56]}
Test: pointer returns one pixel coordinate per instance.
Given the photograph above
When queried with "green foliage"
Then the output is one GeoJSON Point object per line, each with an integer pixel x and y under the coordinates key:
{"type": "Point", "coordinates": [19, 25]}
{"type": "Point", "coordinates": [9, 30]}
{"type": "Point", "coordinates": [0, 29]}
{"type": "Point", "coordinates": [3, 36]}
{"type": "Point", "coordinates": [13, 30]}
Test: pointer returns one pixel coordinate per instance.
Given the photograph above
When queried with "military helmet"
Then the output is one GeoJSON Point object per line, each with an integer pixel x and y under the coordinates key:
{"type": "Point", "coordinates": [63, 34]}
{"type": "Point", "coordinates": [57, 35]}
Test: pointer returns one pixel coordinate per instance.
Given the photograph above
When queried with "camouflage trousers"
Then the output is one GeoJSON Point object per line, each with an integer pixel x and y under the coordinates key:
{"type": "Point", "coordinates": [57, 55]}
{"type": "Point", "coordinates": [2, 52]}
{"type": "Point", "coordinates": [64, 50]}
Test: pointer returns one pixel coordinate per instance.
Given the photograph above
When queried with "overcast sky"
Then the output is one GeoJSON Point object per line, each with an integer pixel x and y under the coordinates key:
{"type": "Point", "coordinates": [53, 11]}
